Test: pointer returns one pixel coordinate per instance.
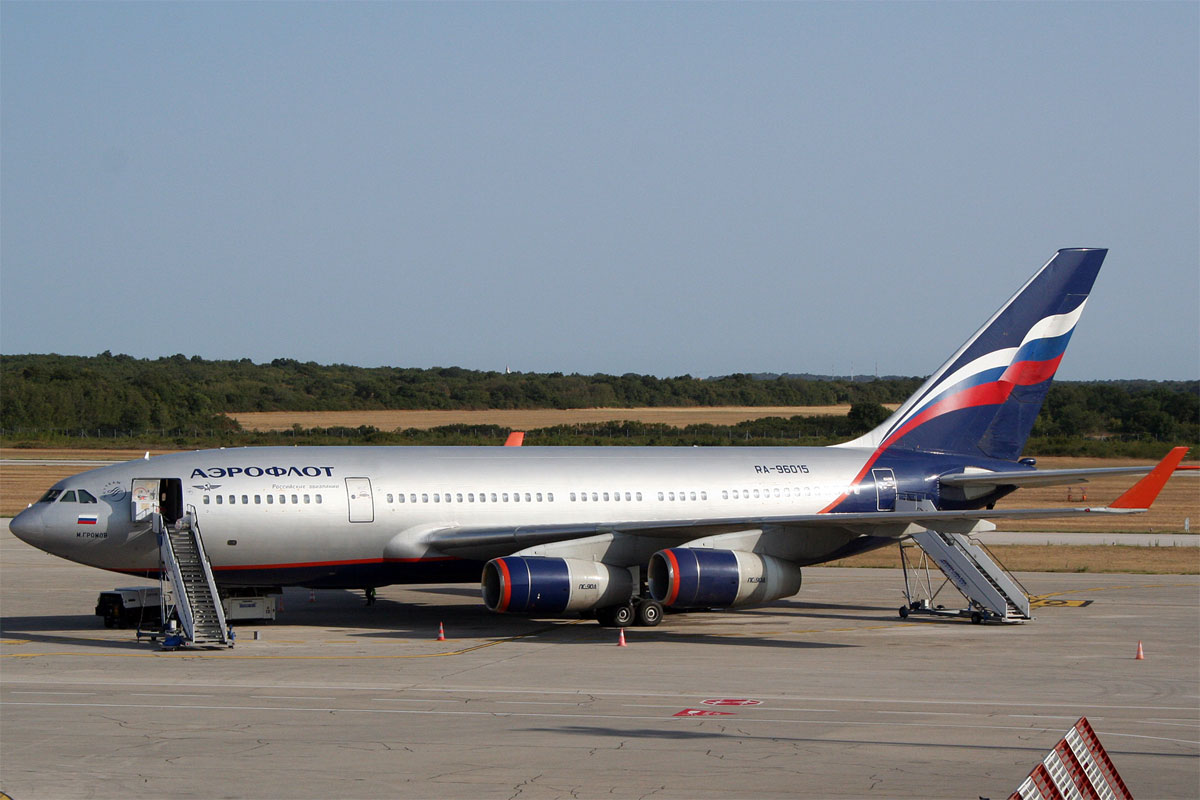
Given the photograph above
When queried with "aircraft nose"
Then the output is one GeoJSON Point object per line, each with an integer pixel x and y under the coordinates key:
{"type": "Point", "coordinates": [28, 527]}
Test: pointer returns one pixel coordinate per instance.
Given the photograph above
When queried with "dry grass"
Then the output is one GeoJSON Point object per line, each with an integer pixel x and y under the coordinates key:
{"type": "Point", "coordinates": [1064, 558]}
{"type": "Point", "coordinates": [525, 419]}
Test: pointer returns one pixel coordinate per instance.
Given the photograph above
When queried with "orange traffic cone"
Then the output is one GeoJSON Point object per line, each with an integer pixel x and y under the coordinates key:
{"type": "Point", "coordinates": [621, 639]}
{"type": "Point", "coordinates": [1140, 655]}
{"type": "Point", "coordinates": [441, 633]}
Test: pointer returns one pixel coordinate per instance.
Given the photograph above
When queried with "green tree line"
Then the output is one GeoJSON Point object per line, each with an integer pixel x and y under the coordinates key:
{"type": "Point", "coordinates": [184, 401]}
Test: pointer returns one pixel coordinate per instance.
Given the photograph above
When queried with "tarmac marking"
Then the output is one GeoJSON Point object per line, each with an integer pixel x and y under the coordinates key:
{"type": "Point", "coordinates": [742, 721]}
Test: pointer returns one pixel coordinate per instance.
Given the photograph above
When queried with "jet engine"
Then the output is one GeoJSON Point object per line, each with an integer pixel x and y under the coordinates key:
{"type": "Point", "coordinates": [687, 577]}
{"type": "Point", "coordinates": [552, 585]}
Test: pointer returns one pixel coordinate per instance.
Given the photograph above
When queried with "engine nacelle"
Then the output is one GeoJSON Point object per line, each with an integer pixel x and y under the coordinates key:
{"type": "Point", "coordinates": [553, 585]}
{"type": "Point", "coordinates": [687, 577]}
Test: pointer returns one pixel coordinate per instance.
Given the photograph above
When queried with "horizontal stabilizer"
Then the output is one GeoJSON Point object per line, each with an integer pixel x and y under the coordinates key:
{"type": "Point", "coordinates": [1143, 493]}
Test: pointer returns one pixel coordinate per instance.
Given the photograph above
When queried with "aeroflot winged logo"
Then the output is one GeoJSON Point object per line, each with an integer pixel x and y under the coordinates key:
{"type": "Point", "coordinates": [258, 472]}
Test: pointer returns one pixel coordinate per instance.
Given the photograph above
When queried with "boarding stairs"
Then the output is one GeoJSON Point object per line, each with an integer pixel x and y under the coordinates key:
{"type": "Point", "coordinates": [193, 592]}
{"type": "Point", "coordinates": [993, 594]}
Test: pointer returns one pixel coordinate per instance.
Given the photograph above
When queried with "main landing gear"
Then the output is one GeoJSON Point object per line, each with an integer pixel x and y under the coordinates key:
{"type": "Point", "coordinates": [641, 611]}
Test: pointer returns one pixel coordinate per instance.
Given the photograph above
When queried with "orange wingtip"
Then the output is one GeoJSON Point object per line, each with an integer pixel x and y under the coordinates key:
{"type": "Point", "coordinates": [515, 439]}
{"type": "Point", "coordinates": [1143, 493]}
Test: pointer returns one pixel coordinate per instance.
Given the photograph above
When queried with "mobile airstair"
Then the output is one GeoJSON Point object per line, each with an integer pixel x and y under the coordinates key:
{"type": "Point", "coordinates": [192, 595]}
{"type": "Point", "coordinates": [992, 593]}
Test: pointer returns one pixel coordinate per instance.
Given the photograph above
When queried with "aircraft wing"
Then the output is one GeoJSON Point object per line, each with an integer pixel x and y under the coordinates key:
{"type": "Point", "coordinates": [893, 524]}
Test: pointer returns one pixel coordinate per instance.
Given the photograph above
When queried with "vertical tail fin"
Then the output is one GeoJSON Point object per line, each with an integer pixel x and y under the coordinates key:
{"type": "Point", "coordinates": [984, 399]}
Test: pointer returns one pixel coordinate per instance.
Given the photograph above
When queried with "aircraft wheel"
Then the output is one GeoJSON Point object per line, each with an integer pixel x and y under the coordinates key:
{"type": "Point", "coordinates": [976, 618]}
{"type": "Point", "coordinates": [649, 613]}
{"type": "Point", "coordinates": [615, 616]}
{"type": "Point", "coordinates": [903, 612]}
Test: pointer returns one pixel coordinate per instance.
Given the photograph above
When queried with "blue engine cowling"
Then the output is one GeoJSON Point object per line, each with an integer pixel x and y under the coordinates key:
{"type": "Point", "coordinates": [523, 584]}
{"type": "Point", "coordinates": [687, 577]}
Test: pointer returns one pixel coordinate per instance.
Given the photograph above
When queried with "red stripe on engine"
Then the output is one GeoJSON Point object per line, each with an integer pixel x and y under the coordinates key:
{"type": "Point", "coordinates": [506, 586]}
{"type": "Point", "coordinates": [673, 563]}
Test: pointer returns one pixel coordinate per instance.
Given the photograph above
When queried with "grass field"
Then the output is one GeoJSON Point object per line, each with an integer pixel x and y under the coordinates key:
{"type": "Point", "coordinates": [1062, 558]}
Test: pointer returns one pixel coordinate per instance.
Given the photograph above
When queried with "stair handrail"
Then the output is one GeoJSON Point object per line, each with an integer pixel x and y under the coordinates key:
{"type": "Point", "coordinates": [192, 520]}
{"type": "Point", "coordinates": [992, 555]}
{"type": "Point", "coordinates": [166, 555]}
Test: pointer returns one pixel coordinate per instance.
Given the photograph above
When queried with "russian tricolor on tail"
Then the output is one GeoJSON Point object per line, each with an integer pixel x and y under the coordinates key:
{"type": "Point", "coordinates": [983, 401]}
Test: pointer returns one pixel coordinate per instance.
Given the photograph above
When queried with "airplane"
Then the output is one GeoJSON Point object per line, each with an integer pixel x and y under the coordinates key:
{"type": "Point", "coordinates": [618, 532]}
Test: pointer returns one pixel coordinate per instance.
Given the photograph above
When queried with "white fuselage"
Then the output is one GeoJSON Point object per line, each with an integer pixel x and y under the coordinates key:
{"type": "Point", "coordinates": [280, 509]}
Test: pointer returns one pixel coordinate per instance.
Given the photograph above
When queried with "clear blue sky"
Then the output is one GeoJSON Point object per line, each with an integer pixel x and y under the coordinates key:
{"type": "Point", "coordinates": [629, 187]}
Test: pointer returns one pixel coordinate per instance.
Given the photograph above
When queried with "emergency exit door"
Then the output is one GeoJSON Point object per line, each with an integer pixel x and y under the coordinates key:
{"type": "Point", "coordinates": [358, 493]}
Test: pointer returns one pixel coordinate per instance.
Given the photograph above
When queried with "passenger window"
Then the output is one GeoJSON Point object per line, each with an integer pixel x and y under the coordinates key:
{"type": "Point", "coordinates": [671, 495]}
{"type": "Point", "coordinates": [246, 500]}
{"type": "Point", "coordinates": [307, 499]}
{"type": "Point", "coordinates": [539, 497]}
{"type": "Point", "coordinates": [68, 497]}
{"type": "Point", "coordinates": [294, 500]}
{"type": "Point", "coordinates": [572, 497]}
{"type": "Point", "coordinates": [437, 498]}
{"type": "Point", "coordinates": [639, 496]}
{"type": "Point", "coordinates": [606, 497]}
{"type": "Point", "coordinates": [205, 499]}
{"type": "Point", "coordinates": [493, 497]}
{"type": "Point", "coordinates": [318, 499]}
{"type": "Point", "coordinates": [483, 497]}
{"type": "Point", "coordinates": [693, 495]}
{"type": "Point", "coordinates": [527, 498]}
{"type": "Point", "coordinates": [458, 497]}
{"type": "Point", "coordinates": [470, 497]}
{"type": "Point", "coordinates": [704, 495]}
{"type": "Point", "coordinates": [412, 498]}
{"type": "Point", "coordinates": [627, 497]}
{"type": "Point", "coordinates": [270, 499]}
{"type": "Point", "coordinates": [389, 498]}
{"type": "Point", "coordinates": [283, 499]}
{"type": "Point", "coordinates": [258, 499]}
{"type": "Point", "coordinates": [549, 497]}
{"type": "Point", "coordinates": [516, 497]}
{"type": "Point", "coordinates": [220, 500]}
{"type": "Point", "coordinates": [424, 498]}
{"type": "Point", "coordinates": [505, 496]}
{"type": "Point", "coordinates": [86, 497]}
{"type": "Point", "coordinates": [660, 495]}
{"type": "Point", "coordinates": [583, 497]}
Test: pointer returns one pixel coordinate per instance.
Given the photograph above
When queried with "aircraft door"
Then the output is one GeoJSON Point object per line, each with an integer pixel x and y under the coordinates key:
{"type": "Point", "coordinates": [885, 489]}
{"type": "Point", "coordinates": [362, 506]}
{"type": "Point", "coordinates": [164, 495]}
{"type": "Point", "coordinates": [144, 498]}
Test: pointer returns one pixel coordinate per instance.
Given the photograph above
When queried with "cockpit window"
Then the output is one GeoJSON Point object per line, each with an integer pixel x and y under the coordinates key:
{"type": "Point", "coordinates": [68, 497]}
{"type": "Point", "coordinates": [86, 497]}
{"type": "Point", "coordinates": [50, 496]}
